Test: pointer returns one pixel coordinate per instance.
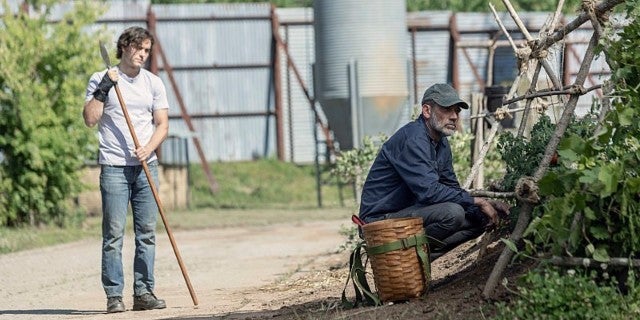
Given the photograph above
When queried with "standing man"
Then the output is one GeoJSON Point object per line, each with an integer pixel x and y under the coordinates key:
{"type": "Point", "coordinates": [122, 178]}
{"type": "Point", "coordinates": [412, 176]}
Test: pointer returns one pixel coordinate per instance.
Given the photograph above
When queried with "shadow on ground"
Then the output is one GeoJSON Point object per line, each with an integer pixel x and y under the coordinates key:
{"type": "Point", "coordinates": [51, 312]}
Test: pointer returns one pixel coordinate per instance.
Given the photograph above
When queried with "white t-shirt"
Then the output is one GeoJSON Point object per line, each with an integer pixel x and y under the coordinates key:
{"type": "Point", "coordinates": [142, 95]}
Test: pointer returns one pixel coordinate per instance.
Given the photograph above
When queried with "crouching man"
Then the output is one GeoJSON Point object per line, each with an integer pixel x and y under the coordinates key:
{"type": "Point", "coordinates": [412, 176]}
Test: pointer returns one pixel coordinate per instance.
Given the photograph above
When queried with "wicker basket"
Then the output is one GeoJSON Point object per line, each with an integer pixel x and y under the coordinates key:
{"type": "Point", "coordinates": [398, 274]}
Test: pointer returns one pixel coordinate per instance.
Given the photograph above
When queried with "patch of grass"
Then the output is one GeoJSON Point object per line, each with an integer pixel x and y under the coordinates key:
{"type": "Point", "coordinates": [12, 240]}
{"type": "Point", "coordinates": [266, 183]}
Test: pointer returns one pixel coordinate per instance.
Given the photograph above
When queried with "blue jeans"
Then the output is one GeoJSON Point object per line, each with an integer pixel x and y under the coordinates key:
{"type": "Point", "coordinates": [120, 185]}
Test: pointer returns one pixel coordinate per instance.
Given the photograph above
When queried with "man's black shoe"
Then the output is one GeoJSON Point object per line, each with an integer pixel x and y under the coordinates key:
{"type": "Point", "coordinates": [147, 301]}
{"type": "Point", "coordinates": [114, 304]}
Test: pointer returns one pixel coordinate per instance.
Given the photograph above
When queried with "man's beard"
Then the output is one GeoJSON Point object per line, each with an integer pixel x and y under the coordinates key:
{"type": "Point", "coordinates": [437, 126]}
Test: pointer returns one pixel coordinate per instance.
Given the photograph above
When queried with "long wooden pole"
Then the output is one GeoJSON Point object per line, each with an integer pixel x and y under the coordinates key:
{"type": "Point", "coordinates": [157, 197]}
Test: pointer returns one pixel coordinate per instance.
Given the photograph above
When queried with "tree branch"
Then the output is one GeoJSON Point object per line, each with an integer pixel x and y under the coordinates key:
{"type": "Point", "coordinates": [600, 8]}
{"type": "Point", "coordinates": [527, 208]}
{"type": "Point", "coordinates": [587, 262]}
{"type": "Point", "coordinates": [527, 107]}
{"type": "Point", "coordinates": [502, 27]}
{"type": "Point", "coordinates": [492, 194]}
{"type": "Point", "coordinates": [539, 94]}
{"type": "Point", "coordinates": [495, 126]}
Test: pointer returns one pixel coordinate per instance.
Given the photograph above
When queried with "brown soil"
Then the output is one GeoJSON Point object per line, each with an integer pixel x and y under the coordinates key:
{"type": "Point", "coordinates": [284, 271]}
{"type": "Point", "coordinates": [454, 293]}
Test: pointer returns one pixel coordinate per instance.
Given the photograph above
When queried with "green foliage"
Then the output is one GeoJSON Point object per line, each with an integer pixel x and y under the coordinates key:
{"type": "Point", "coordinates": [461, 151]}
{"type": "Point", "coordinates": [352, 166]}
{"type": "Point", "coordinates": [43, 74]}
{"type": "Point", "coordinates": [593, 204]}
{"type": "Point", "coordinates": [351, 238]}
{"type": "Point", "coordinates": [522, 156]}
{"type": "Point", "coordinates": [550, 294]}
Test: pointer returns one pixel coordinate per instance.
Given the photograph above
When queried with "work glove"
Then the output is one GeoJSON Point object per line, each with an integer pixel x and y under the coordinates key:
{"type": "Point", "coordinates": [102, 91]}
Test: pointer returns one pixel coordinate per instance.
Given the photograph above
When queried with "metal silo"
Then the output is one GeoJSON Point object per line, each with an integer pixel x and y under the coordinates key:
{"type": "Point", "coordinates": [361, 66]}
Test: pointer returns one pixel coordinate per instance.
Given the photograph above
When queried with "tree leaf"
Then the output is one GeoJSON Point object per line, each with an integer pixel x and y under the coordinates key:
{"type": "Point", "coordinates": [599, 232]}
{"type": "Point", "coordinates": [609, 175]}
{"type": "Point", "coordinates": [589, 213]}
{"type": "Point", "coordinates": [512, 246]}
{"type": "Point", "coordinates": [590, 248]}
{"type": "Point", "coordinates": [601, 255]}
{"type": "Point", "coordinates": [626, 116]}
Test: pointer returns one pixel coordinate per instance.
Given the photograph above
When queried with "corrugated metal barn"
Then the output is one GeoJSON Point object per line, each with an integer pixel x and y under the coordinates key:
{"type": "Point", "coordinates": [239, 93]}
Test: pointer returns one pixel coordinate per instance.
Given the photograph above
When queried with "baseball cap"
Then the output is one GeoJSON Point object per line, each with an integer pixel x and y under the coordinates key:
{"type": "Point", "coordinates": [444, 95]}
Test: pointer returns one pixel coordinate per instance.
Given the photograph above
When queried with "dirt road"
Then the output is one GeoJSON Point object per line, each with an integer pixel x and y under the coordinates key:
{"type": "Point", "coordinates": [226, 267]}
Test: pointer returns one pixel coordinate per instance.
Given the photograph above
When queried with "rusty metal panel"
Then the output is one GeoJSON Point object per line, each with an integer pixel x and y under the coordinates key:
{"type": "Point", "coordinates": [117, 17]}
{"type": "Point", "coordinates": [470, 62]}
{"type": "Point", "coordinates": [299, 135]}
{"type": "Point", "coordinates": [432, 49]}
{"type": "Point", "coordinates": [432, 60]}
{"type": "Point", "coordinates": [221, 56]}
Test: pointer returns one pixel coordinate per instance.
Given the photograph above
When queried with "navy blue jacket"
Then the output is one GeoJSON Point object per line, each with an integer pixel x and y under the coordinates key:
{"type": "Point", "coordinates": [412, 169]}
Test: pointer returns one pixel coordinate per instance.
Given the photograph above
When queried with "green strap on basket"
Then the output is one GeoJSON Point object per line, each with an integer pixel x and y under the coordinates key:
{"type": "Point", "coordinates": [416, 241]}
{"type": "Point", "coordinates": [363, 294]}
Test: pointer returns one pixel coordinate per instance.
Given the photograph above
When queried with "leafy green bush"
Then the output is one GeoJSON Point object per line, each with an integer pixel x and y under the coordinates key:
{"type": "Point", "coordinates": [43, 73]}
{"type": "Point", "coordinates": [352, 166]}
{"type": "Point", "coordinates": [592, 197]}
{"type": "Point", "coordinates": [522, 156]}
{"type": "Point", "coordinates": [553, 294]}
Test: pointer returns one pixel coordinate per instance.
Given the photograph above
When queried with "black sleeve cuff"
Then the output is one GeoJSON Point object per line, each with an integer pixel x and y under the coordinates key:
{"type": "Point", "coordinates": [100, 95]}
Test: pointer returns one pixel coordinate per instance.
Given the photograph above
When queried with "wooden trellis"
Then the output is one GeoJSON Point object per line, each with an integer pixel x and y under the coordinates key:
{"type": "Point", "coordinates": [533, 58]}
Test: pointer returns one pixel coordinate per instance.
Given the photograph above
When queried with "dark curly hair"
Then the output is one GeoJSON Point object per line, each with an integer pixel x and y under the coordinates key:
{"type": "Point", "coordinates": [133, 35]}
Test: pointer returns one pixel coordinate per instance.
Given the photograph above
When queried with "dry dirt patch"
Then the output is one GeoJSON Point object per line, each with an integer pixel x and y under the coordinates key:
{"type": "Point", "coordinates": [281, 271]}
{"type": "Point", "coordinates": [226, 267]}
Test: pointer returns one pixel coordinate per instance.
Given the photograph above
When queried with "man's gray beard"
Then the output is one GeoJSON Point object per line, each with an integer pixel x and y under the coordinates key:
{"type": "Point", "coordinates": [434, 123]}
